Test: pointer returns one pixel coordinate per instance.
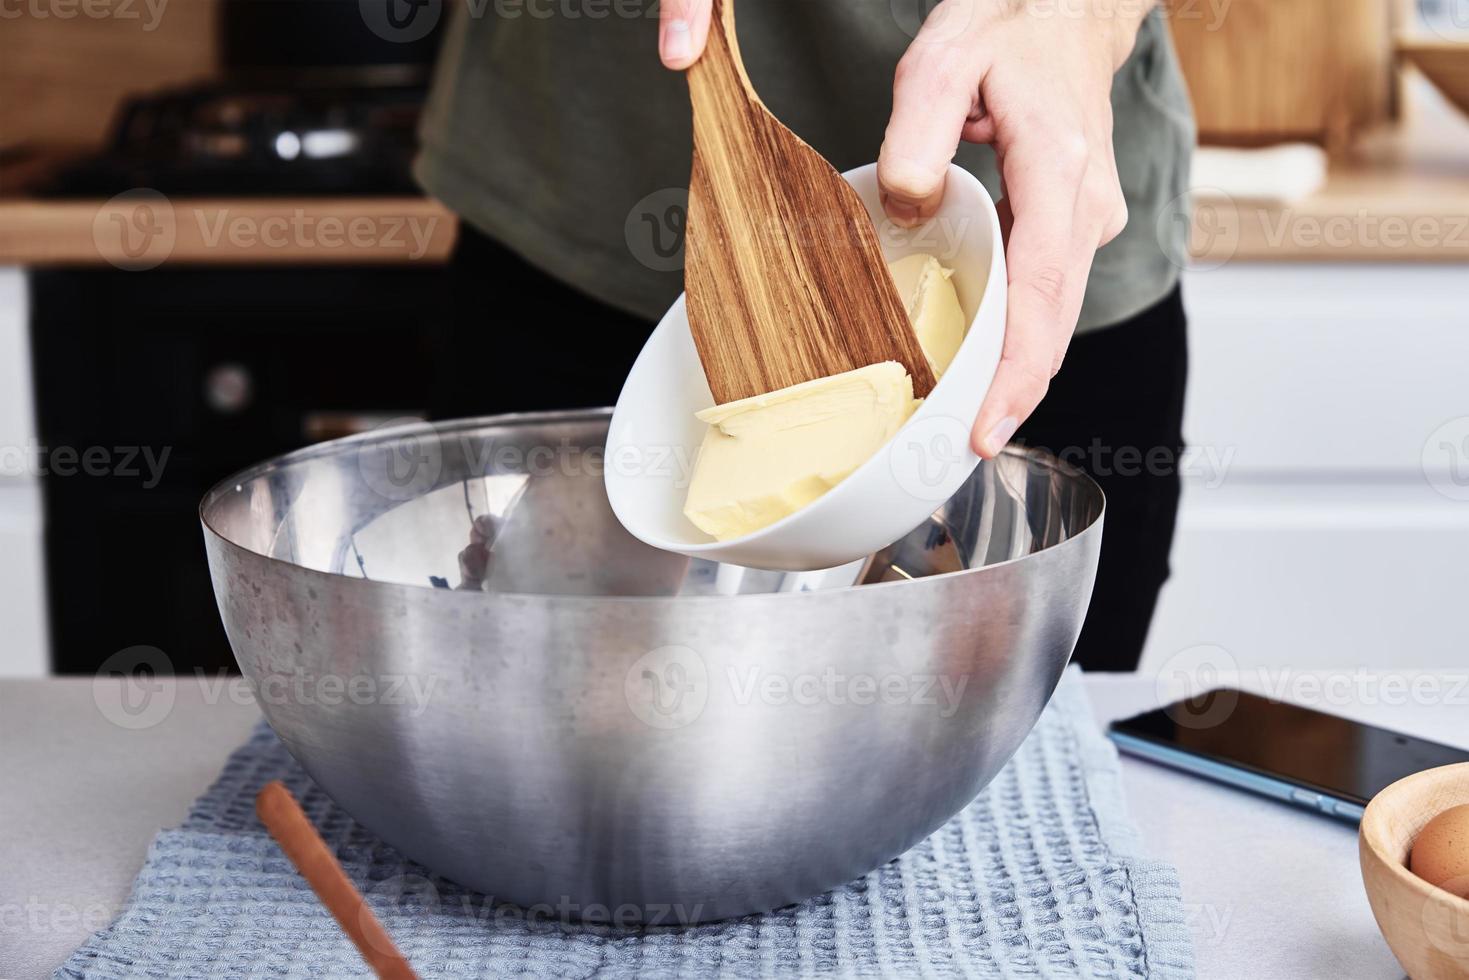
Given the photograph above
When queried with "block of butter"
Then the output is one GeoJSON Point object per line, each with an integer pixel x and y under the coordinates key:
{"type": "Point", "coordinates": [768, 456]}
{"type": "Point", "coordinates": [933, 306]}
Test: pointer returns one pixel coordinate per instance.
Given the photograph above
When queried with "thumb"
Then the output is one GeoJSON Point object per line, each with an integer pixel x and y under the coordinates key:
{"type": "Point", "coordinates": [934, 95]}
{"type": "Point", "coordinates": [683, 27]}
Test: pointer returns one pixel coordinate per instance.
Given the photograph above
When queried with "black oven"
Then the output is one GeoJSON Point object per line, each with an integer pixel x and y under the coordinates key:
{"type": "Point", "coordinates": [175, 377]}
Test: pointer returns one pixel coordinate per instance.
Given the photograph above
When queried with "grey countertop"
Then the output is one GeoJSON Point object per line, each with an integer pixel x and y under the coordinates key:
{"type": "Point", "coordinates": [1270, 891]}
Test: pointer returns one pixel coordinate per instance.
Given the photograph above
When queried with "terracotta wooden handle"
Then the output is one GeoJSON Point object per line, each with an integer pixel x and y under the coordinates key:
{"type": "Point", "coordinates": [288, 824]}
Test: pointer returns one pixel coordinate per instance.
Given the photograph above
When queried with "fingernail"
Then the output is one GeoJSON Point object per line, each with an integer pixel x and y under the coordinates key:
{"type": "Point", "coordinates": [901, 212]}
{"type": "Point", "coordinates": [677, 44]}
{"type": "Point", "coordinates": [999, 436]}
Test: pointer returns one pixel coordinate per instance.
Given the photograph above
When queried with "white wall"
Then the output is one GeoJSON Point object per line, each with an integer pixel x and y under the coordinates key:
{"type": "Point", "coordinates": [1336, 532]}
{"type": "Point", "coordinates": [23, 645]}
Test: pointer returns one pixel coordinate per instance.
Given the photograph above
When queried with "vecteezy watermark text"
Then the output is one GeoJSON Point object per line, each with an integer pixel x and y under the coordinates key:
{"type": "Point", "coordinates": [140, 229]}
{"type": "Point", "coordinates": [416, 895]}
{"type": "Point", "coordinates": [407, 458]}
{"type": "Point", "coordinates": [1204, 229]}
{"type": "Point", "coordinates": [1200, 686]}
{"type": "Point", "coordinates": [133, 688]}
{"type": "Point", "coordinates": [655, 226]}
{"type": "Point", "coordinates": [831, 686]}
{"type": "Point", "coordinates": [408, 233]}
{"type": "Point", "coordinates": [671, 686]}
{"type": "Point", "coordinates": [149, 13]}
{"type": "Point", "coordinates": [37, 916]}
{"type": "Point", "coordinates": [1208, 465]}
{"type": "Point", "coordinates": [945, 21]}
{"type": "Point", "coordinates": [124, 462]}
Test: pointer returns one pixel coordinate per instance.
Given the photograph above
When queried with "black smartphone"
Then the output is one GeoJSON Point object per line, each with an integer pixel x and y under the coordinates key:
{"type": "Point", "coordinates": [1315, 760]}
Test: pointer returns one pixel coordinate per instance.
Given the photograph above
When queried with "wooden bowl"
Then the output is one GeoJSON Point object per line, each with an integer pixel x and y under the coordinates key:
{"type": "Point", "coordinates": [1426, 927]}
{"type": "Point", "coordinates": [1446, 63]}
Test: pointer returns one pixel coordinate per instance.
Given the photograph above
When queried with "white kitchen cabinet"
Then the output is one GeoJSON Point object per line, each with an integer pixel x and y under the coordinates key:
{"type": "Point", "coordinates": [17, 415]}
{"type": "Point", "coordinates": [1336, 533]}
{"type": "Point", "coordinates": [24, 651]}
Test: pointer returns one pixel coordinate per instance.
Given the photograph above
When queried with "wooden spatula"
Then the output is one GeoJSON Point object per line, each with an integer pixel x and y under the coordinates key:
{"type": "Point", "coordinates": [785, 278]}
{"type": "Point", "coordinates": [297, 836]}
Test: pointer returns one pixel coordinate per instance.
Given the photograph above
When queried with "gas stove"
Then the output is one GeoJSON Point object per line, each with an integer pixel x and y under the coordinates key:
{"type": "Point", "coordinates": [246, 140]}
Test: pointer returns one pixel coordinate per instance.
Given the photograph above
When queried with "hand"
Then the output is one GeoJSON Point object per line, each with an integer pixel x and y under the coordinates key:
{"type": "Point", "coordinates": [1036, 84]}
{"type": "Point", "coordinates": [683, 27]}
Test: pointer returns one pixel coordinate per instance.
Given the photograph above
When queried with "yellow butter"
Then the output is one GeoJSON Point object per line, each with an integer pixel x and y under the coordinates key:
{"type": "Point", "coordinates": [770, 455]}
{"type": "Point", "coordinates": [933, 306]}
{"type": "Point", "coordinates": [766, 457]}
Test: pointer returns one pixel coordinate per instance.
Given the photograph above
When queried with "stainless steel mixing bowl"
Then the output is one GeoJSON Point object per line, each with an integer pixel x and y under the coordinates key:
{"type": "Point", "coordinates": [452, 633]}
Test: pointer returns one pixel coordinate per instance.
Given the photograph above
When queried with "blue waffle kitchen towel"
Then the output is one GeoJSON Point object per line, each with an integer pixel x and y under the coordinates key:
{"type": "Point", "coordinates": [1041, 876]}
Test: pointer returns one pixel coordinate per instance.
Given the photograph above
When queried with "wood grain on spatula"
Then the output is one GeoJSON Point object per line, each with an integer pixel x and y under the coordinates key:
{"type": "Point", "coordinates": [784, 275]}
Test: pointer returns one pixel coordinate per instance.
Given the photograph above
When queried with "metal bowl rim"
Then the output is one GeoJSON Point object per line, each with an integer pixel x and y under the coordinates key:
{"type": "Point", "coordinates": [333, 447]}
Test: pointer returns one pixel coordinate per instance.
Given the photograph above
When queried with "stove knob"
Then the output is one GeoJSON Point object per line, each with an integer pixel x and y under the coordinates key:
{"type": "Point", "coordinates": [228, 388]}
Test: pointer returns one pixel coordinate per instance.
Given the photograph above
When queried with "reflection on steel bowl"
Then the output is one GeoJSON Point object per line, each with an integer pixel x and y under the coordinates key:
{"type": "Point", "coordinates": [477, 662]}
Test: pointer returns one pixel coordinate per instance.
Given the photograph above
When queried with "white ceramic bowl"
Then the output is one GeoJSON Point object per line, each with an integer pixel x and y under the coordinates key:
{"type": "Point", "coordinates": [654, 436]}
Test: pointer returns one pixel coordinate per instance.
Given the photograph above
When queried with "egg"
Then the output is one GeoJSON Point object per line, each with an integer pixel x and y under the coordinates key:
{"type": "Point", "coordinates": [1440, 854]}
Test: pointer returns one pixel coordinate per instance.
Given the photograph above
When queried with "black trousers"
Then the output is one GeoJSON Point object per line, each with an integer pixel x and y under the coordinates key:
{"type": "Point", "coordinates": [1116, 411]}
{"type": "Point", "coordinates": [526, 341]}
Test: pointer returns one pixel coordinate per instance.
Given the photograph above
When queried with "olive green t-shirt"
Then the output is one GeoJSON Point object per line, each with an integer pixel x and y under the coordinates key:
{"type": "Point", "coordinates": [553, 128]}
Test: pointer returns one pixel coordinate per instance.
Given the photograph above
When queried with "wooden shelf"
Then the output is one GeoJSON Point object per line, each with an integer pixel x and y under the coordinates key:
{"type": "Point", "coordinates": [138, 230]}
{"type": "Point", "coordinates": [1400, 195]}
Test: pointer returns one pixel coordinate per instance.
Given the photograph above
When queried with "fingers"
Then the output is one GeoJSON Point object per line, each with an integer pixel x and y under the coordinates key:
{"type": "Point", "coordinates": [1116, 216]}
{"type": "Point", "coordinates": [935, 94]}
{"type": "Point", "coordinates": [1041, 98]}
{"type": "Point", "coordinates": [683, 27]}
{"type": "Point", "coordinates": [1057, 225]}
{"type": "Point", "coordinates": [1020, 382]}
